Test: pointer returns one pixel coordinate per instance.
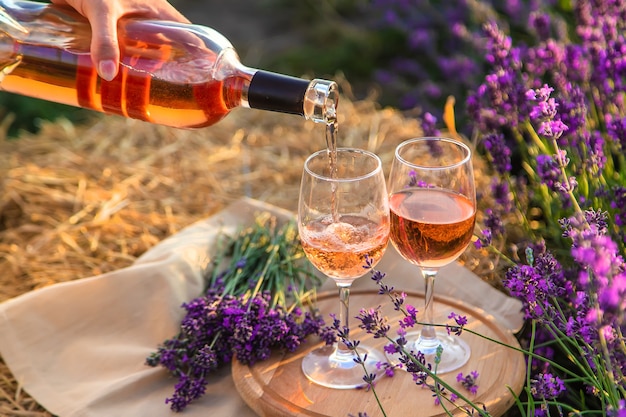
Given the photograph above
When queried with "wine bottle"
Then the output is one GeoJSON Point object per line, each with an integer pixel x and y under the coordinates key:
{"type": "Point", "coordinates": [174, 74]}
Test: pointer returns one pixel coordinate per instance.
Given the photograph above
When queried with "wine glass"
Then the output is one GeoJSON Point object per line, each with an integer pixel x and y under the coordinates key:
{"type": "Point", "coordinates": [343, 218]}
{"type": "Point", "coordinates": [432, 199]}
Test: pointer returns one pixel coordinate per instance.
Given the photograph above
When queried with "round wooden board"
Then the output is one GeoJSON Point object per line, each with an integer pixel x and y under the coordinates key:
{"type": "Point", "coordinates": [278, 388]}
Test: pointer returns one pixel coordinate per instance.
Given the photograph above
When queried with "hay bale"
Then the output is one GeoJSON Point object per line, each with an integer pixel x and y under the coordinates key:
{"type": "Point", "coordinates": [83, 200]}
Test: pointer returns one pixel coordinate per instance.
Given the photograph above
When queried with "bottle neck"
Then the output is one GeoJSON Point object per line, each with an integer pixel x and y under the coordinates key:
{"type": "Point", "coordinates": [314, 100]}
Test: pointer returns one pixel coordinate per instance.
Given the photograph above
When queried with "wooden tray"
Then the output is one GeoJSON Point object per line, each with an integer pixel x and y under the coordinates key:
{"type": "Point", "coordinates": [278, 388]}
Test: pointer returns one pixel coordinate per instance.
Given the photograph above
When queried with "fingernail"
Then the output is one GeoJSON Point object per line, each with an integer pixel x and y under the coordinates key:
{"type": "Point", "coordinates": [107, 69]}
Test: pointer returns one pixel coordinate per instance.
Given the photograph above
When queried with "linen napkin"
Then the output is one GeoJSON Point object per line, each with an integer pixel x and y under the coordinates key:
{"type": "Point", "coordinates": [79, 348]}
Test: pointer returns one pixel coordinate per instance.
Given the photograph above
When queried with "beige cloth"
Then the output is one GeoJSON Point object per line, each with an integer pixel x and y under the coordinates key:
{"type": "Point", "coordinates": [79, 347]}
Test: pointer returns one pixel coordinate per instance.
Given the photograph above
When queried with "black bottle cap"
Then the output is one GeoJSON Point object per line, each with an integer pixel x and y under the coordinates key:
{"type": "Point", "coordinates": [277, 92]}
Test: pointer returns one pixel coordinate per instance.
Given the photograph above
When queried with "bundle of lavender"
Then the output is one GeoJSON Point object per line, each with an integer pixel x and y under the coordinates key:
{"type": "Point", "coordinates": [259, 298]}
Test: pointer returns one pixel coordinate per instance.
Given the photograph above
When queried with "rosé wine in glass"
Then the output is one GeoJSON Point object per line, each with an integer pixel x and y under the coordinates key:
{"type": "Point", "coordinates": [431, 226]}
{"type": "Point", "coordinates": [433, 211]}
{"type": "Point", "coordinates": [338, 249]}
{"type": "Point", "coordinates": [343, 221]}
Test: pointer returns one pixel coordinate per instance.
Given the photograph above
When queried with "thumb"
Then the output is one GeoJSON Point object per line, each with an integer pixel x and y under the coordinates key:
{"type": "Point", "coordinates": [105, 50]}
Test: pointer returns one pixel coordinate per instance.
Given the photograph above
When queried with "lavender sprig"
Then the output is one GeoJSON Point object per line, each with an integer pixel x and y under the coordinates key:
{"type": "Point", "coordinates": [372, 322]}
{"type": "Point", "coordinates": [369, 378]}
{"type": "Point", "coordinates": [415, 363]}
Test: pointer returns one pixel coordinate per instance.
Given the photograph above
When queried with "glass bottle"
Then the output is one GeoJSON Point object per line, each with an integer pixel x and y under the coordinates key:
{"type": "Point", "coordinates": [174, 74]}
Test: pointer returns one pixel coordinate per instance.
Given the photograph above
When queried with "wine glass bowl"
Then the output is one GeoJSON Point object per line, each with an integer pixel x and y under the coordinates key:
{"type": "Point", "coordinates": [343, 220]}
{"type": "Point", "coordinates": [433, 210]}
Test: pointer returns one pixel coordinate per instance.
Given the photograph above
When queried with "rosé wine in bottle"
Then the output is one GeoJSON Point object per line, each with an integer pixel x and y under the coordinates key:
{"type": "Point", "coordinates": [174, 74]}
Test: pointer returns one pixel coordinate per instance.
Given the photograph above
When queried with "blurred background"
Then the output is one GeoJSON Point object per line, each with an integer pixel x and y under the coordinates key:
{"type": "Point", "coordinates": [407, 54]}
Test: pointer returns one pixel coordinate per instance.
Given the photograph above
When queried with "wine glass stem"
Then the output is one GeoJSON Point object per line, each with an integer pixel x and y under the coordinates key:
{"type": "Point", "coordinates": [344, 311]}
{"type": "Point", "coordinates": [428, 335]}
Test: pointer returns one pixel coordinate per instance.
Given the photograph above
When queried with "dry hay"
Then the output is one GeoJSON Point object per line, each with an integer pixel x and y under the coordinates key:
{"type": "Point", "coordinates": [78, 201]}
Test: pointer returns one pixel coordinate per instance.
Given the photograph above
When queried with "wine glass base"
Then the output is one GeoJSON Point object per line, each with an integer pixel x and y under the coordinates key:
{"type": "Point", "coordinates": [456, 352]}
{"type": "Point", "coordinates": [324, 366]}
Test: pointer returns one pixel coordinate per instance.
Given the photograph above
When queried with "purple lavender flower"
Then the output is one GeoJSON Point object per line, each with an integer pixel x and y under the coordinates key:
{"type": "Point", "coordinates": [577, 326]}
{"type": "Point", "coordinates": [241, 263]}
{"type": "Point", "coordinates": [620, 411]}
{"type": "Point", "coordinates": [373, 322]}
{"type": "Point", "coordinates": [469, 381]}
{"type": "Point", "coordinates": [547, 387]}
{"type": "Point", "coordinates": [618, 203]}
{"type": "Point", "coordinates": [548, 171]}
{"type": "Point", "coordinates": [536, 286]}
{"type": "Point", "coordinates": [616, 128]}
{"type": "Point", "coordinates": [410, 318]}
{"type": "Point", "coordinates": [415, 182]}
{"type": "Point", "coordinates": [592, 151]}
{"type": "Point", "coordinates": [601, 29]}
{"type": "Point", "coordinates": [485, 240]}
{"type": "Point", "coordinates": [603, 272]}
{"type": "Point", "coordinates": [499, 152]}
{"type": "Point", "coordinates": [500, 52]}
{"type": "Point", "coordinates": [546, 106]}
{"type": "Point", "coordinates": [389, 369]}
{"type": "Point", "coordinates": [439, 392]}
{"type": "Point", "coordinates": [545, 112]}
{"type": "Point", "coordinates": [494, 223]}
{"type": "Point", "coordinates": [429, 125]}
{"type": "Point", "coordinates": [328, 335]}
{"type": "Point", "coordinates": [573, 110]}
{"type": "Point", "coordinates": [502, 196]}
{"type": "Point", "coordinates": [460, 322]}
{"type": "Point", "coordinates": [599, 301]}
{"type": "Point", "coordinates": [541, 23]}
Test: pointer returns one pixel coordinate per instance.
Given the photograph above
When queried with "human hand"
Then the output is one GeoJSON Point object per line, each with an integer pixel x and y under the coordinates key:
{"type": "Point", "coordinates": [103, 16]}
